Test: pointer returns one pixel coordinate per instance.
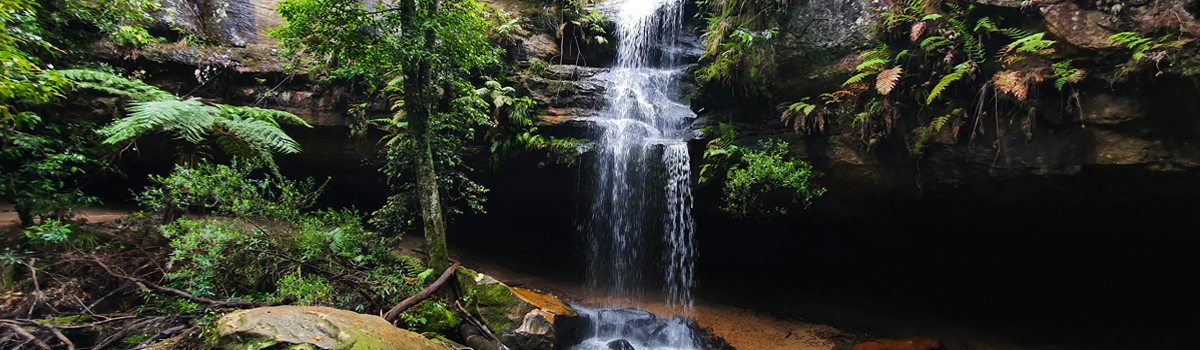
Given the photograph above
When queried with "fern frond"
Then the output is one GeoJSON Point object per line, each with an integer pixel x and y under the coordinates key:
{"type": "Point", "coordinates": [1030, 44]}
{"type": "Point", "coordinates": [917, 29]}
{"type": "Point", "coordinates": [934, 42]}
{"type": "Point", "coordinates": [969, 42]}
{"type": "Point", "coordinates": [887, 80]}
{"type": "Point", "coordinates": [959, 72]}
{"type": "Point", "coordinates": [937, 123]}
{"type": "Point", "coordinates": [1013, 33]}
{"type": "Point", "coordinates": [872, 63]}
{"type": "Point", "coordinates": [857, 78]}
{"type": "Point", "coordinates": [191, 119]}
{"type": "Point", "coordinates": [986, 24]}
{"type": "Point", "coordinates": [270, 116]}
{"type": "Point", "coordinates": [135, 90]}
{"type": "Point", "coordinates": [1072, 76]}
{"type": "Point", "coordinates": [260, 136]}
{"type": "Point", "coordinates": [1011, 82]}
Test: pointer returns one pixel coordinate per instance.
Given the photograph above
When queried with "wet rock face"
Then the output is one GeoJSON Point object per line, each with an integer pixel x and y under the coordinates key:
{"type": "Point", "coordinates": [620, 344]}
{"type": "Point", "coordinates": [817, 36]}
{"type": "Point", "coordinates": [228, 22]}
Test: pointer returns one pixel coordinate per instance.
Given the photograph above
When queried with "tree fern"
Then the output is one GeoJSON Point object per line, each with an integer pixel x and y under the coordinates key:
{"type": "Point", "coordinates": [190, 119]}
{"type": "Point", "coordinates": [240, 131]}
{"type": "Point", "coordinates": [959, 72]}
{"type": "Point", "coordinates": [270, 116]}
{"type": "Point", "coordinates": [261, 136]}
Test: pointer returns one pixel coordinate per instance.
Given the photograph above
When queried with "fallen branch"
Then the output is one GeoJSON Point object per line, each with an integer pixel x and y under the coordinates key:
{"type": "Point", "coordinates": [168, 332]}
{"type": "Point", "coordinates": [359, 284]}
{"type": "Point", "coordinates": [471, 319]}
{"type": "Point", "coordinates": [124, 331]}
{"type": "Point", "coordinates": [182, 294]}
{"type": "Point", "coordinates": [424, 294]}
{"type": "Point", "coordinates": [60, 336]}
{"type": "Point", "coordinates": [21, 331]}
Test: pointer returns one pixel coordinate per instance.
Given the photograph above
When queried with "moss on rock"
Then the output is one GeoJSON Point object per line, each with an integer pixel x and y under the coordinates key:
{"type": "Point", "coordinates": [318, 327]}
{"type": "Point", "coordinates": [439, 318]}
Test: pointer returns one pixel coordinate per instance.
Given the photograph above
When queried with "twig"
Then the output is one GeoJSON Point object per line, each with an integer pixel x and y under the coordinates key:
{"type": "Point", "coordinates": [60, 336]}
{"type": "Point", "coordinates": [21, 331]}
{"type": "Point", "coordinates": [97, 323]}
{"type": "Point", "coordinates": [357, 282]}
{"type": "Point", "coordinates": [160, 335]}
{"type": "Point", "coordinates": [424, 294]}
{"type": "Point", "coordinates": [94, 303]}
{"type": "Point", "coordinates": [182, 294]}
{"type": "Point", "coordinates": [121, 334]}
{"type": "Point", "coordinates": [471, 319]}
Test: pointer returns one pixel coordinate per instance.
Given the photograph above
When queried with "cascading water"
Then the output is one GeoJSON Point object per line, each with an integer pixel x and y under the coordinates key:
{"type": "Point", "coordinates": [642, 170]}
{"type": "Point", "coordinates": [642, 184]}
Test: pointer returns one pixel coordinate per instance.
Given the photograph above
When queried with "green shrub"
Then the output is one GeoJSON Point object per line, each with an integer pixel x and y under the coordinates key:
{"type": "Point", "coordinates": [767, 171]}
{"type": "Point", "coordinates": [307, 290]}
{"type": "Point", "coordinates": [51, 231]}
{"type": "Point", "coordinates": [323, 258]}
{"type": "Point", "coordinates": [237, 189]}
{"type": "Point", "coordinates": [220, 257]}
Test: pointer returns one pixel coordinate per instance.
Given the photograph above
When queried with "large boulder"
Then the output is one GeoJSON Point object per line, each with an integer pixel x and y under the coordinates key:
{"type": "Point", "coordinates": [318, 327]}
{"type": "Point", "coordinates": [519, 317]}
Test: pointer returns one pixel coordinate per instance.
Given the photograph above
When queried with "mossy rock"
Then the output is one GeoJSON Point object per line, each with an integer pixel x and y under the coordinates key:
{"type": "Point", "coordinates": [439, 318]}
{"type": "Point", "coordinates": [315, 328]}
{"type": "Point", "coordinates": [521, 318]}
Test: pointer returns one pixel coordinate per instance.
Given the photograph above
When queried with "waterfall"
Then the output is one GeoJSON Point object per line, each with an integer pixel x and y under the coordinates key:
{"type": "Point", "coordinates": [642, 170]}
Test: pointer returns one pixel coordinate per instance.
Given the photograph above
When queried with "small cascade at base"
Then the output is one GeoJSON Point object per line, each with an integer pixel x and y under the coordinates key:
{"type": "Point", "coordinates": [624, 329]}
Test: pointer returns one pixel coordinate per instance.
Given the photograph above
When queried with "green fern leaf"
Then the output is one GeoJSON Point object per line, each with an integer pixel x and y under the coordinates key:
{"type": "Point", "coordinates": [937, 123]}
{"type": "Point", "coordinates": [858, 78]}
{"type": "Point", "coordinates": [270, 116]}
{"type": "Point", "coordinates": [259, 135]}
{"type": "Point", "coordinates": [190, 119]}
{"type": "Point", "coordinates": [872, 63]}
{"type": "Point", "coordinates": [959, 71]}
{"type": "Point", "coordinates": [934, 42]}
{"type": "Point", "coordinates": [135, 90]}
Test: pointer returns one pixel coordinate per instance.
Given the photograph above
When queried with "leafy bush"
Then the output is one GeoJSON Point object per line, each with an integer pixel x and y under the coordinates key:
{"type": "Point", "coordinates": [220, 257]}
{"type": "Point", "coordinates": [237, 189]}
{"type": "Point", "coordinates": [41, 168]}
{"type": "Point", "coordinates": [764, 172]}
{"type": "Point", "coordinates": [325, 258]}
{"type": "Point", "coordinates": [50, 231]}
{"type": "Point", "coordinates": [307, 290]}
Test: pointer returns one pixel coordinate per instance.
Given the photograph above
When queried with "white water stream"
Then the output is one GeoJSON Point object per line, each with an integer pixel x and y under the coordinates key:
{"type": "Point", "coordinates": [641, 227]}
{"type": "Point", "coordinates": [642, 170]}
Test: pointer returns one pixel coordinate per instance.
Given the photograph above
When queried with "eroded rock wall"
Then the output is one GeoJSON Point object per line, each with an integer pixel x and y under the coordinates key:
{"type": "Point", "coordinates": [1114, 128]}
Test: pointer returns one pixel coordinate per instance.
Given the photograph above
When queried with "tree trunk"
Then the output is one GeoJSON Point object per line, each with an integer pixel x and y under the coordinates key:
{"type": "Point", "coordinates": [418, 100]}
